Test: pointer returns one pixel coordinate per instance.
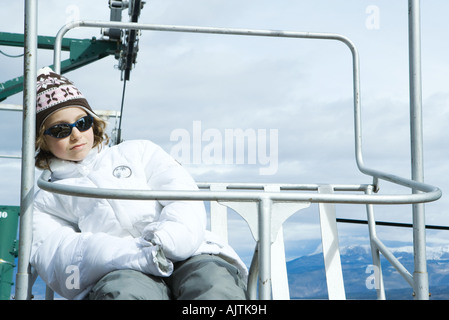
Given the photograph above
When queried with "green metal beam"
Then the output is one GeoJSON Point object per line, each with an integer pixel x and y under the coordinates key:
{"type": "Point", "coordinates": [9, 222]}
{"type": "Point", "coordinates": [17, 40]}
{"type": "Point", "coordinates": [82, 52]}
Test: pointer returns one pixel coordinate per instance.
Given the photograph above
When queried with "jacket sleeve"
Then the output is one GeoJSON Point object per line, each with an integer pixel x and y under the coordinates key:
{"type": "Point", "coordinates": [181, 227]}
{"type": "Point", "coordinates": [70, 262]}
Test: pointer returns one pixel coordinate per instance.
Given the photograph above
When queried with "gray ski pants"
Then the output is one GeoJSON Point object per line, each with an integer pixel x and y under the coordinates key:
{"type": "Point", "coordinates": [202, 277]}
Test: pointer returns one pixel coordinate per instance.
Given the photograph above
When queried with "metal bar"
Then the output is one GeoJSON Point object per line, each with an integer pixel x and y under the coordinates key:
{"type": "Point", "coordinates": [253, 273]}
{"type": "Point", "coordinates": [331, 248]}
{"type": "Point", "coordinates": [11, 107]}
{"type": "Point", "coordinates": [219, 215]}
{"type": "Point", "coordinates": [417, 158]}
{"type": "Point", "coordinates": [264, 220]}
{"type": "Point", "coordinates": [82, 52]}
{"type": "Point", "coordinates": [44, 184]}
{"type": "Point", "coordinates": [49, 293]}
{"type": "Point", "coordinates": [101, 113]}
{"type": "Point", "coordinates": [378, 276]}
{"type": "Point", "coordinates": [11, 87]}
{"type": "Point", "coordinates": [23, 289]}
{"type": "Point", "coordinates": [43, 42]}
{"type": "Point", "coordinates": [393, 260]}
{"type": "Point", "coordinates": [190, 29]}
{"type": "Point", "coordinates": [284, 186]}
{"type": "Point", "coordinates": [376, 247]}
{"type": "Point", "coordinates": [415, 91]}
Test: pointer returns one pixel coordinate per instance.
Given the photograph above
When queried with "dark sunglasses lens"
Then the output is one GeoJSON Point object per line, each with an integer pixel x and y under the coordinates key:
{"type": "Point", "coordinates": [84, 123]}
{"type": "Point", "coordinates": [60, 131]}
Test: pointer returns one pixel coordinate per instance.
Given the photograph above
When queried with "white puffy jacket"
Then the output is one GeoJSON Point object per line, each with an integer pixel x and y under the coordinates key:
{"type": "Point", "coordinates": [77, 240]}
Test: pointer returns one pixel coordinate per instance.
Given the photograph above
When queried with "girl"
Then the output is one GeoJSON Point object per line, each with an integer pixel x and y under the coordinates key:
{"type": "Point", "coordinates": [87, 248]}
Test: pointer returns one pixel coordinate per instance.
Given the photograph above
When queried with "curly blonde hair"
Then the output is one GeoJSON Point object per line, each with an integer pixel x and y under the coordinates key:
{"type": "Point", "coordinates": [44, 155]}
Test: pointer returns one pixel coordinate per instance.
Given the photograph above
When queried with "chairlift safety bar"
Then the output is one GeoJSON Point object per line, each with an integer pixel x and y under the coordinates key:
{"type": "Point", "coordinates": [427, 193]}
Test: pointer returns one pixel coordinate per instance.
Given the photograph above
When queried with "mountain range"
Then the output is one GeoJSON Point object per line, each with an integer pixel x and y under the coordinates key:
{"type": "Point", "coordinates": [307, 279]}
{"type": "Point", "coordinates": [306, 275]}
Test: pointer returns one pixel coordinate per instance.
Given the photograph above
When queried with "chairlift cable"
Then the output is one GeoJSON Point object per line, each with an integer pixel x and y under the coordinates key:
{"type": "Point", "coordinates": [119, 130]}
{"type": "Point", "coordinates": [128, 54]}
{"type": "Point", "coordinates": [11, 55]}
{"type": "Point", "coordinates": [391, 224]}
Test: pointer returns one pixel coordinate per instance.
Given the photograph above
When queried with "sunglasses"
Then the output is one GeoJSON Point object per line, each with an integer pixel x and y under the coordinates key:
{"type": "Point", "coordinates": [63, 130]}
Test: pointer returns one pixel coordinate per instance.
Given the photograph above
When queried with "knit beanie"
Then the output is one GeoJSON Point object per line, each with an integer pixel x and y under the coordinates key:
{"type": "Point", "coordinates": [55, 92]}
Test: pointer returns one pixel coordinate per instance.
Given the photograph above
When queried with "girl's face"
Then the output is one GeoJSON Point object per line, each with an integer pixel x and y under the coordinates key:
{"type": "Point", "coordinates": [77, 145]}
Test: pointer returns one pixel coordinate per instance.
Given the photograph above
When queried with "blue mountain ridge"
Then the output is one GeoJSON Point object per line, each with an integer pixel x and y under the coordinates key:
{"type": "Point", "coordinates": [306, 274]}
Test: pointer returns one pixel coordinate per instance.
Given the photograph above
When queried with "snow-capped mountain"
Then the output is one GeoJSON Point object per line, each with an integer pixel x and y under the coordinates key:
{"type": "Point", "coordinates": [307, 277]}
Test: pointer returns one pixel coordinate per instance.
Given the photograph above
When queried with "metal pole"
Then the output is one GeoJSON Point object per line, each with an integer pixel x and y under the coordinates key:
{"type": "Point", "coordinates": [23, 291]}
{"type": "Point", "coordinates": [416, 133]}
{"type": "Point", "coordinates": [378, 277]}
{"type": "Point", "coordinates": [265, 249]}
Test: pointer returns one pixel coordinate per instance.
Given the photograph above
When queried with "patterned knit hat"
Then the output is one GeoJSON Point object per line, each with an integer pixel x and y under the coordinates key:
{"type": "Point", "coordinates": [55, 92]}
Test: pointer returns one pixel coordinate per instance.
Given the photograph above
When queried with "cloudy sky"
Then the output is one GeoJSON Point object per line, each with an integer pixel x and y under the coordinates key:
{"type": "Point", "coordinates": [187, 92]}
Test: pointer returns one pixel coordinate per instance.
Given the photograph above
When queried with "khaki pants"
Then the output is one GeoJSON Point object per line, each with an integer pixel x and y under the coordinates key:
{"type": "Point", "coordinates": [203, 277]}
